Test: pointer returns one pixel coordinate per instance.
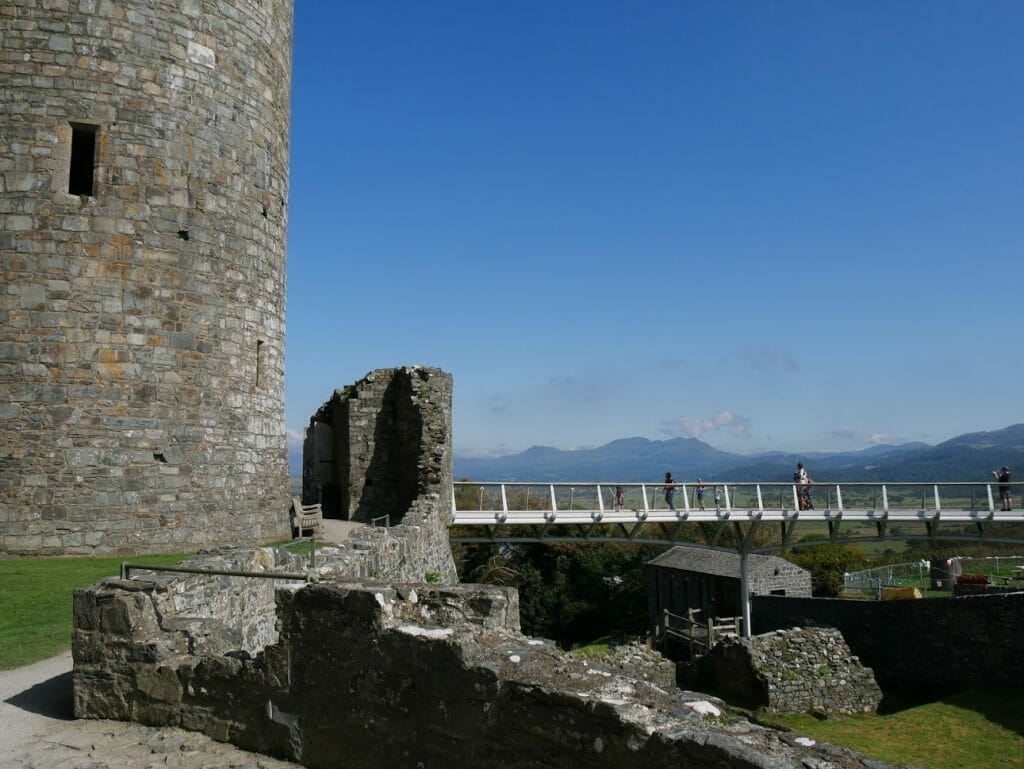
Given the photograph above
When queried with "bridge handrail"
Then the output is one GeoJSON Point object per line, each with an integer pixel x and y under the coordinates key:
{"type": "Point", "coordinates": [724, 493]}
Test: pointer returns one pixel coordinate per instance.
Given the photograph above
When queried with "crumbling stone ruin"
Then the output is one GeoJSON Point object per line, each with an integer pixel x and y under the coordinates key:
{"type": "Point", "coordinates": [800, 670]}
{"type": "Point", "coordinates": [383, 674]}
{"type": "Point", "coordinates": [372, 448]}
{"type": "Point", "coordinates": [143, 180]}
{"type": "Point", "coordinates": [380, 451]}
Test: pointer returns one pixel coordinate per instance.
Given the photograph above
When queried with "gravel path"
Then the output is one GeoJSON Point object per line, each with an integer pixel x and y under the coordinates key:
{"type": "Point", "coordinates": [37, 731]}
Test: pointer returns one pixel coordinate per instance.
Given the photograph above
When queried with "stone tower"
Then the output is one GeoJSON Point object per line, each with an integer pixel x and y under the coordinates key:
{"type": "Point", "coordinates": [143, 183]}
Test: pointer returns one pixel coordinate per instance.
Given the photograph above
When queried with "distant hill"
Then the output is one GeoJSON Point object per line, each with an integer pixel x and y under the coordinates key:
{"type": "Point", "coordinates": [972, 456]}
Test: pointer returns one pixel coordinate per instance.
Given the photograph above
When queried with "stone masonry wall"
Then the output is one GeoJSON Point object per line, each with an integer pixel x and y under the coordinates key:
{"type": "Point", "coordinates": [411, 675]}
{"type": "Point", "coordinates": [778, 574]}
{"type": "Point", "coordinates": [389, 454]}
{"type": "Point", "coordinates": [790, 671]}
{"type": "Point", "coordinates": [142, 322]}
{"type": "Point", "coordinates": [927, 647]}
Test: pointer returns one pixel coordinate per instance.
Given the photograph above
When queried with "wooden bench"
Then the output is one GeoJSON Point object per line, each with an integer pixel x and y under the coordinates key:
{"type": "Point", "coordinates": [306, 517]}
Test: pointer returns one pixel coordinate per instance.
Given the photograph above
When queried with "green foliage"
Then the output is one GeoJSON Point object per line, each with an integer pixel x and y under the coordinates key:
{"type": "Point", "coordinates": [827, 563]}
{"type": "Point", "coordinates": [568, 592]}
{"type": "Point", "coordinates": [35, 604]}
{"type": "Point", "coordinates": [432, 576]}
{"type": "Point", "coordinates": [599, 649]}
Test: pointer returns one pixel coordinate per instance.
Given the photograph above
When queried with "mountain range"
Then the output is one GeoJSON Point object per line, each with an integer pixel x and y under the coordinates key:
{"type": "Point", "coordinates": [968, 457]}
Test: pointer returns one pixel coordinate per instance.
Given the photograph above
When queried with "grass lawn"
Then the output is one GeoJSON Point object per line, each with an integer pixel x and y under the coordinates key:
{"type": "Point", "coordinates": [979, 729]}
{"type": "Point", "coordinates": [35, 603]}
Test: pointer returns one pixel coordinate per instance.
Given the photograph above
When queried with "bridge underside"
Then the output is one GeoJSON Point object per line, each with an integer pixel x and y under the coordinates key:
{"type": "Point", "coordinates": [752, 537]}
{"type": "Point", "coordinates": [748, 518]}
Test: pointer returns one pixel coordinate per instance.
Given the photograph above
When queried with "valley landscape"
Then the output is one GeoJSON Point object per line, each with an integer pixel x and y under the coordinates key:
{"type": "Point", "coordinates": [967, 457]}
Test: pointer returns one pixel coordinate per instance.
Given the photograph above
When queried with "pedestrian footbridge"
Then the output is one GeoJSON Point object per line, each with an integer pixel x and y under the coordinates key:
{"type": "Point", "coordinates": [743, 517]}
{"type": "Point", "coordinates": [751, 517]}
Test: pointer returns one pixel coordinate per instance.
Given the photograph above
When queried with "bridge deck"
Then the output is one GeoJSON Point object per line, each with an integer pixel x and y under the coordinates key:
{"type": "Point", "coordinates": [577, 504]}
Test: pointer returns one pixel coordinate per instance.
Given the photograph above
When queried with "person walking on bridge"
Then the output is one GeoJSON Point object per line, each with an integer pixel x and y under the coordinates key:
{"type": "Point", "coordinates": [670, 491]}
{"type": "Point", "coordinates": [803, 481]}
{"type": "Point", "coordinates": [1003, 476]}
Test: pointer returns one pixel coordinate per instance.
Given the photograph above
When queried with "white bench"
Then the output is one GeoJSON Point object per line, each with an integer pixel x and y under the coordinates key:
{"type": "Point", "coordinates": [306, 517]}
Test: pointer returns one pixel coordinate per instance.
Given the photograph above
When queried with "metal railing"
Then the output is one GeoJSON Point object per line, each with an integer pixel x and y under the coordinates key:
{"type": "Point", "coordinates": [1004, 568]}
{"type": "Point", "coordinates": [490, 503]}
{"type": "Point", "coordinates": [127, 568]}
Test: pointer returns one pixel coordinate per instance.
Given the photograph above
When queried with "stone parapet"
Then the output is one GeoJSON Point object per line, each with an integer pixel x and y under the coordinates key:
{"type": "Point", "coordinates": [379, 674]}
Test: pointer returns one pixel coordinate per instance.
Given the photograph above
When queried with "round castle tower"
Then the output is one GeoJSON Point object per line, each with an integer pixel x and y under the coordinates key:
{"type": "Point", "coordinates": [143, 183]}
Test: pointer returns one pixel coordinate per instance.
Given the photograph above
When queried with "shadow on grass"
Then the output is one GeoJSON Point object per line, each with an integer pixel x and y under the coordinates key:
{"type": "Point", "coordinates": [1000, 705]}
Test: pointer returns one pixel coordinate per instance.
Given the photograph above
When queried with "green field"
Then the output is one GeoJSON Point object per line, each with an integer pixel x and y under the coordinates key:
{"type": "Point", "coordinates": [979, 729]}
{"type": "Point", "coordinates": [35, 604]}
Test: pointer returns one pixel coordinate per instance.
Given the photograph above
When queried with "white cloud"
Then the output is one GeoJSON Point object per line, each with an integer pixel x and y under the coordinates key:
{"type": "Point", "coordinates": [859, 439]}
{"type": "Point", "coordinates": [695, 427]}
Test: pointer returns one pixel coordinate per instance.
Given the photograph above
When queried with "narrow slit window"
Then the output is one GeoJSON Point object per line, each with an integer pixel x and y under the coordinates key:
{"type": "Point", "coordinates": [81, 175]}
{"type": "Point", "coordinates": [260, 363]}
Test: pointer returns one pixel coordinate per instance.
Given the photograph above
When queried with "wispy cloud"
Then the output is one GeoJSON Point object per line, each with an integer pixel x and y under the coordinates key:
{"type": "Point", "coordinates": [695, 427]}
{"type": "Point", "coordinates": [295, 437]}
{"type": "Point", "coordinates": [861, 439]}
{"type": "Point", "coordinates": [764, 359]}
{"type": "Point", "coordinates": [477, 453]}
{"type": "Point", "coordinates": [497, 404]}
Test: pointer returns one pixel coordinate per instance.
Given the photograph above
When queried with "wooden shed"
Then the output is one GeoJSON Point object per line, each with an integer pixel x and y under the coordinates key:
{"type": "Point", "coordinates": [700, 578]}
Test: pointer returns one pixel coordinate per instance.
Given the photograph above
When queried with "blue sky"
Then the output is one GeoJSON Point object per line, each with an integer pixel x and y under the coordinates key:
{"type": "Point", "coordinates": [769, 225]}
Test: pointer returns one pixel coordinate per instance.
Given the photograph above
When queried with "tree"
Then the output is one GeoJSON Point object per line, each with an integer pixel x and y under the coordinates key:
{"type": "Point", "coordinates": [827, 563]}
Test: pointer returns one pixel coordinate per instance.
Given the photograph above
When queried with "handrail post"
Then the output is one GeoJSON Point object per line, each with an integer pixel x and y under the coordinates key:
{"type": "Point", "coordinates": [504, 500]}
{"type": "Point", "coordinates": [745, 592]}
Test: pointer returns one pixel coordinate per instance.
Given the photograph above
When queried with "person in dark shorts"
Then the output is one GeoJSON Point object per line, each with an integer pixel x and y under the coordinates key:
{"type": "Point", "coordinates": [670, 491]}
{"type": "Point", "coordinates": [1003, 476]}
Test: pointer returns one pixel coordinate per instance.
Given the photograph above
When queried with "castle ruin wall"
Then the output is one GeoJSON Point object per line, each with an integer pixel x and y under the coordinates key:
{"type": "Point", "coordinates": [799, 670]}
{"type": "Point", "coordinates": [382, 674]}
{"type": "Point", "coordinates": [380, 451]}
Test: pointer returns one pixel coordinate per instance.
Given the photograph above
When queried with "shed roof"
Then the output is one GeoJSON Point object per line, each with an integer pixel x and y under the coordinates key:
{"type": "Point", "coordinates": [720, 562]}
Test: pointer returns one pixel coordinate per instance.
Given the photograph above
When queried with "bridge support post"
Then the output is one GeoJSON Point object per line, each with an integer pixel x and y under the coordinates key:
{"type": "Point", "coordinates": [745, 592]}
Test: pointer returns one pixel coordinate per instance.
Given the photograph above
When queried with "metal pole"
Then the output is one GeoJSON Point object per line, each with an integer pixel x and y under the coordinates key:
{"type": "Point", "coordinates": [745, 593]}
